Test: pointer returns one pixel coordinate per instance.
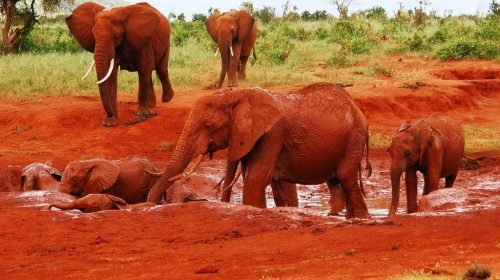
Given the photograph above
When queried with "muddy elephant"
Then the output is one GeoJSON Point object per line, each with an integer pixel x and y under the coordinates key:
{"type": "Point", "coordinates": [135, 38]}
{"type": "Point", "coordinates": [235, 34]}
{"type": "Point", "coordinates": [434, 146]}
{"type": "Point", "coordinates": [40, 176]}
{"type": "Point", "coordinates": [308, 136]}
{"type": "Point", "coordinates": [99, 202]}
{"type": "Point", "coordinates": [125, 178]}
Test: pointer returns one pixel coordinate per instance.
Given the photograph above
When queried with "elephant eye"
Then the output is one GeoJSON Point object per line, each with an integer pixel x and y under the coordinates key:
{"type": "Point", "coordinates": [407, 153]}
{"type": "Point", "coordinates": [209, 125]}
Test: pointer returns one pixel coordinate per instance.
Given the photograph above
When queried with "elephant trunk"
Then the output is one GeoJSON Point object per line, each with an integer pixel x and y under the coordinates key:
{"type": "Point", "coordinates": [181, 157]}
{"type": "Point", "coordinates": [225, 53]}
{"type": "Point", "coordinates": [64, 206]}
{"type": "Point", "coordinates": [395, 182]}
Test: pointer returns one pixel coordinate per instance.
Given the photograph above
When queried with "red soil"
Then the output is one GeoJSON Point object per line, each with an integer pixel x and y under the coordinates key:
{"type": "Point", "coordinates": [215, 240]}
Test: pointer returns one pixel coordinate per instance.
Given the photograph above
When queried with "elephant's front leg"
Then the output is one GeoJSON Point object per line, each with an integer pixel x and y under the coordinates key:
{"type": "Point", "coordinates": [411, 190]}
{"type": "Point", "coordinates": [108, 93]}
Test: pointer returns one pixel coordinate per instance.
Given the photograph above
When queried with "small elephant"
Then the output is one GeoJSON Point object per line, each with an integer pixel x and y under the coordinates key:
{"type": "Point", "coordinates": [433, 146]}
{"type": "Point", "coordinates": [9, 178]}
{"type": "Point", "coordinates": [312, 135]}
{"type": "Point", "coordinates": [135, 38]}
{"type": "Point", "coordinates": [235, 33]}
{"type": "Point", "coordinates": [125, 178]}
{"type": "Point", "coordinates": [99, 202]}
{"type": "Point", "coordinates": [40, 176]}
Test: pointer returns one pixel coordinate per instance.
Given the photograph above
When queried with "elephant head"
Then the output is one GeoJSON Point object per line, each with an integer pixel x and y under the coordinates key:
{"type": "Point", "coordinates": [232, 119]}
{"type": "Point", "coordinates": [40, 176]}
{"type": "Point", "coordinates": [228, 30]}
{"type": "Point", "coordinates": [88, 176]}
{"type": "Point", "coordinates": [104, 32]}
{"type": "Point", "coordinates": [411, 144]}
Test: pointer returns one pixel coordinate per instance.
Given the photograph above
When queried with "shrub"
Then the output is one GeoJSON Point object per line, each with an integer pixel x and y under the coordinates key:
{"type": "Point", "coordinates": [469, 49]}
{"type": "Point", "coordinates": [340, 57]}
{"type": "Point", "coordinates": [376, 12]}
{"type": "Point", "coordinates": [417, 43]}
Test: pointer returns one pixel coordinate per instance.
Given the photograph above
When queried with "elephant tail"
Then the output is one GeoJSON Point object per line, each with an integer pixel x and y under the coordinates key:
{"type": "Point", "coordinates": [368, 164]}
{"type": "Point", "coordinates": [361, 182]}
{"type": "Point", "coordinates": [254, 54]}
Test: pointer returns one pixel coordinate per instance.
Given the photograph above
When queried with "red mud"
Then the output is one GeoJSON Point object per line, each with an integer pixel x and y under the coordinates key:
{"type": "Point", "coordinates": [213, 240]}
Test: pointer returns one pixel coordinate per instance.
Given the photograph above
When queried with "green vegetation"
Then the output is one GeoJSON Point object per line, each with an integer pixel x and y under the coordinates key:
{"type": "Point", "coordinates": [479, 138]}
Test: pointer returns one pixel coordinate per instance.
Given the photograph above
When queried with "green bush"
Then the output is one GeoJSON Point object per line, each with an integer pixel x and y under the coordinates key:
{"type": "Point", "coordinates": [469, 49]}
{"type": "Point", "coordinates": [417, 43]}
{"type": "Point", "coordinates": [340, 57]}
{"type": "Point", "coordinates": [275, 50]}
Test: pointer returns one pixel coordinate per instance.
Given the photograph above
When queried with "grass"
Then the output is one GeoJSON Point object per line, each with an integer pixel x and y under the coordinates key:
{"type": "Point", "coordinates": [380, 141]}
{"type": "Point", "coordinates": [479, 138]}
{"type": "Point", "coordinates": [423, 276]}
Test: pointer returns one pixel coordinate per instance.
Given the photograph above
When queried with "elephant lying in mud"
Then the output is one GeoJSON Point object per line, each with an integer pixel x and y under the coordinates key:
{"type": "Point", "coordinates": [313, 135]}
{"type": "Point", "coordinates": [99, 202]}
{"type": "Point", "coordinates": [126, 178]}
{"type": "Point", "coordinates": [35, 176]}
{"type": "Point", "coordinates": [433, 146]}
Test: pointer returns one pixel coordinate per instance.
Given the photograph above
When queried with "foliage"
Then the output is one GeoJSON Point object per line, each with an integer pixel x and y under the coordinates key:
{"type": "Point", "coordinates": [376, 12]}
{"type": "Point", "coordinates": [266, 14]}
{"type": "Point", "coordinates": [465, 48]}
{"type": "Point", "coordinates": [494, 8]}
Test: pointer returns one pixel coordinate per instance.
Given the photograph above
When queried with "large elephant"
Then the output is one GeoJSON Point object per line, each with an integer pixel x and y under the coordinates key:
{"type": "Point", "coordinates": [310, 136]}
{"type": "Point", "coordinates": [433, 146]}
{"type": "Point", "coordinates": [40, 176]}
{"type": "Point", "coordinates": [134, 38]}
{"type": "Point", "coordinates": [125, 178]}
{"type": "Point", "coordinates": [235, 34]}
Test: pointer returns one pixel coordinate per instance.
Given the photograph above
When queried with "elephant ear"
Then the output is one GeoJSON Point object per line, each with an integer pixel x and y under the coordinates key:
{"type": "Point", "coordinates": [140, 25]}
{"type": "Point", "coordinates": [245, 25]}
{"type": "Point", "coordinates": [211, 25]}
{"type": "Point", "coordinates": [81, 22]}
{"type": "Point", "coordinates": [103, 176]}
{"type": "Point", "coordinates": [253, 113]}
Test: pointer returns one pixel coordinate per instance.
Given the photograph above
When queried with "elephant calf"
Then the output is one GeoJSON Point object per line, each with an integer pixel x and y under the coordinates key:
{"type": "Point", "coordinates": [40, 176]}
{"type": "Point", "coordinates": [125, 178]}
{"type": "Point", "coordinates": [433, 146]}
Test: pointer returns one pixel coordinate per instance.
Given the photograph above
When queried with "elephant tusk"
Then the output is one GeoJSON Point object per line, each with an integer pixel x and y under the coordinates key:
{"type": "Point", "coordinates": [231, 50]}
{"type": "Point", "coordinates": [216, 52]}
{"type": "Point", "coordinates": [185, 174]}
{"type": "Point", "coordinates": [88, 71]}
{"type": "Point", "coordinates": [111, 66]}
{"type": "Point", "coordinates": [233, 182]}
{"type": "Point", "coordinates": [154, 174]}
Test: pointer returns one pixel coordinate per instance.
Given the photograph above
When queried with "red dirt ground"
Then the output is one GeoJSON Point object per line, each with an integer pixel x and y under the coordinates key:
{"type": "Point", "coordinates": [211, 240]}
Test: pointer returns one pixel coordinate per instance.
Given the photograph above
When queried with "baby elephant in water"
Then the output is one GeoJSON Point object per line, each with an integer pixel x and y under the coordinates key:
{"type": "Point", "coordinates": [99, 202]}
{"type": "Point", "coordinates": [433, 146]}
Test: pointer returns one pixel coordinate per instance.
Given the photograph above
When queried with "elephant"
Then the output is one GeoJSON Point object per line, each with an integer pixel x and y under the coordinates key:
{"type": "Point", "coordinates": [235, 33]}
{"type": "Point", "coordinates": [135, 38]}
{"type": "Point", "coordinates": [309, 136]}
{"type": "Point", "coordinates": [40, 176]}
{"type": "Point", "coordinates": [9, 178]}
{"type": "Point", "coordinates": [99, 202]}
{"type": "Point", "coordinates": [434, 146]}
{"type": "Point", "coordinates": [125, 178]}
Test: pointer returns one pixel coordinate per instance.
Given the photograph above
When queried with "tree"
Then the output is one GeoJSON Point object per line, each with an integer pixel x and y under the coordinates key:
{"type": "Point", "coordinates": [342, 7]}
{"type": "Point", "coordinates": [248, 6]}
{"type": "Point", "coordinates": [495, 8]}
{"type": "Point", "coordinates": [20, 16]}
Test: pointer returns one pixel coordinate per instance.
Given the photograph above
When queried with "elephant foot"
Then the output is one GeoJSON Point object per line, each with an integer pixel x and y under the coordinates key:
{"type": "Point", "coordinates": [109, 121]}
{"type": "Point", "coordinates": [167, 96]}
{"type": "Point", "coordinates": [359, 215]}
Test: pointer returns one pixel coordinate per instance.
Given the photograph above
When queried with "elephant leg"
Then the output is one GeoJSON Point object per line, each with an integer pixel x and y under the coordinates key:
{"type": "Point", "coordinates": [337, 197]}
{"type": "Point", "coordinates": [450, 180]}
{"type": "Point", "coordinates": [356, 206]}
{"type": "Point", "coordinates": [144, 110]}
{"type": "Point", "coordinates": [411, 190]}
{"type": "Point", "coordinates": [152, 95]}
{"type": "Point", "coordinates": [162, 71]}
{"type": "Point", "coordinates": [284, 194]}
{"type": "Point", "coordinates": [242, 74]}
{"type": "Point", "coordinates": [233, 66]}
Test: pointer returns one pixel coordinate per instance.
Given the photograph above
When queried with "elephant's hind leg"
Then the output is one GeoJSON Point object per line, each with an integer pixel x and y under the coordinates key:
{"type": "Point", "coordinates": [337, 197]}
{"type": "Point", "coordinates": [242, 69]}
{"type": "Point", "coordinates": [284, 194]}
{"type": "Point", "coordinates": [450, 180]}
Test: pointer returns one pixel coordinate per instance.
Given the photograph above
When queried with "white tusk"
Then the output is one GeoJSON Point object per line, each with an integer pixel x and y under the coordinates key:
{"type": "Point", "coordinates": [154, 174]}
{"type": "Point", "coordinates": [111, 65]}
{"type": "Point", "coordinates": [185, 174]}
{"type": "Point", "coordinates": [216, 52]}
{"type": "Point", "coordinates": [88, 71]}
{"type": "Point", "coordinates": [234, 181]}
{"type": "Point", "coordinates": [231, 49]}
